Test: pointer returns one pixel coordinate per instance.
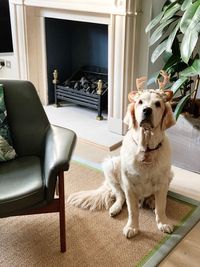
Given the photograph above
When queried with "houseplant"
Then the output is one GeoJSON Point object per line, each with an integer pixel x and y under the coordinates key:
{"type": "Point", "coordinates": [175, 32]}
{"type": "Point", "coordinates": [175, 36]}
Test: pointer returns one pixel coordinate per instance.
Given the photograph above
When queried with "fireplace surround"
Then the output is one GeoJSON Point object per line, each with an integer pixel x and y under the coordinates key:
{"type": "Point", "coordinates": [123, 20]}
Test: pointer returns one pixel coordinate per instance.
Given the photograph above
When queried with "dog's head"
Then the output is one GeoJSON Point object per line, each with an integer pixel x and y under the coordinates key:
{"type": "Point", "coordinates": [150, 109]}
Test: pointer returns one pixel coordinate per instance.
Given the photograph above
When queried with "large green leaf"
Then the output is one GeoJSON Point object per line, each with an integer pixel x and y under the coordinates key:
{"type": "Point", "coordinates": [158, 51]}
{"type": "Point", "coordinates": [166, 56]}
{"type": "Point", "coordinates": [170, 11]}
{"type": "Point", "coordinates": [172, 37]}
{"type": "Point", "coordinates": [155, 21]}
{"type": "Point", "coordinates": [175, 54]}
{"type": "Point", "coordinates": [180, 106]}
{"type": "Point", "coordinates": [193, 70]}
{"type": "Point", "coordinates": [188, 16]}
{"type": "Point", "coordinates": [177, 85]}
{"type": "Point", "coordinates": [168, 3]}
{"type": "Point", "coordinates": [158, 33]}
{"type": "Point", "coordinates": [158, 18]}
{"type": "Point", "coordinates": [177, 68]}
{"type": "Point", "coordinates": [195, 19]}
{"type": "Point", "coordinates": [188, 44]}
{"type": "Point", "coordinates": [186, 4]}
{"type": "Point", "coordinates": [169, 65]}
{"type": "Point", "coordinates": [191, 36]}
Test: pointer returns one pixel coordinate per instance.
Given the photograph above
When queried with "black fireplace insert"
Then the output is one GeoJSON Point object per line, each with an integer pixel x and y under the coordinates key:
{"type": "Point", "coordinates": [86, 87]}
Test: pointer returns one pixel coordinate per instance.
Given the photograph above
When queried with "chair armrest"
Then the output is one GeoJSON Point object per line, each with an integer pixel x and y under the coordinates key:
{"type": "Point", "coordinates": [59, 145]}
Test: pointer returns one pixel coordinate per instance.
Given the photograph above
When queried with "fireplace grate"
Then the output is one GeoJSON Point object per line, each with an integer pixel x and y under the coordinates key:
{"type": "Point", "coordinates": [87, 87]}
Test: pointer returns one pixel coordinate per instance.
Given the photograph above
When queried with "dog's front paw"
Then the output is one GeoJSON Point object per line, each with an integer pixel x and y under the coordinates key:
{"type": "Point", "coordinates": [166, 227]}
{"type": "Point", "coordinates": [129, 231]}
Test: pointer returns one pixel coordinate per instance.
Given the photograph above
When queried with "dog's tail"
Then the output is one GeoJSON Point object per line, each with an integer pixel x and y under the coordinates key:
{"type": "Point", "coordinates": [102, 197]}
{"type": "Point", "coordinates": [98, 199]}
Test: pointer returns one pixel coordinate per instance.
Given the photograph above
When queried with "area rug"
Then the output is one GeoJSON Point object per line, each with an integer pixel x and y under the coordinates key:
{"type": "Point", "coordinates": [93, 238]}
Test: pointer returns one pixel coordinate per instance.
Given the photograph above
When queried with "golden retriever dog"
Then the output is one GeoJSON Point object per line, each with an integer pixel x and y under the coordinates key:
{"type": "Point", "coordinates": [143, 168]}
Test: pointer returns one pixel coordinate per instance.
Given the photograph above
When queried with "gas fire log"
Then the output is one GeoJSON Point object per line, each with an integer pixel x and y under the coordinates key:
{"type": "Point", "coordinates": [85, 85]}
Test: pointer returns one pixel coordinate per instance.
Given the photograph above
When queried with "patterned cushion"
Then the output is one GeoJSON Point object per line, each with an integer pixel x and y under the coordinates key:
{"type": "Point", "coordinates": [7, 152]}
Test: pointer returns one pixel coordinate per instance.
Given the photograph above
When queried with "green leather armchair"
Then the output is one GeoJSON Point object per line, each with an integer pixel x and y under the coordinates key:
{"type": "Point", "coordinates": [28, 182]}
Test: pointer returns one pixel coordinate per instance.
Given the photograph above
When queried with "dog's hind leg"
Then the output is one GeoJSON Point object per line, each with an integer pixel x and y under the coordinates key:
{"type": "Point", "coordinates": [111, 168]}
{"type": "Point", "coordinates": [148, 202]}
{"type": "Point", "coordinates": [119, 202]}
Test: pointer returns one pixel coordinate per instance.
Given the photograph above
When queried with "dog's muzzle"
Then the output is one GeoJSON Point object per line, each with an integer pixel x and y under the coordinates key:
{"type": "Point", "coordinates": [146, 121]}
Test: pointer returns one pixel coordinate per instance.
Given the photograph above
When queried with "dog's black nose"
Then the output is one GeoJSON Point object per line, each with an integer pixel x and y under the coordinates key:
{"type": "Point", "coordinates": [147, 112]}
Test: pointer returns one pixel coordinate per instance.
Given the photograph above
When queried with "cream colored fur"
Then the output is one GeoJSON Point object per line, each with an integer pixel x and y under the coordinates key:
{"type": "Point", "coordinates": [138, 171]}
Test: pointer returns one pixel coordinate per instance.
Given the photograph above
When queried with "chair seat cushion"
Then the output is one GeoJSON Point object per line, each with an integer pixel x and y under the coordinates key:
{"type": "Point", "coordinates": [21, 185]}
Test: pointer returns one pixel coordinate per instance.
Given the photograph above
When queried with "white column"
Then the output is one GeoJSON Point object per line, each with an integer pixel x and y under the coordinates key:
{"type": "Point", "coordinates": [19, 37]}
{"type": "Point", "coordinates": [36, 51]}
{"type": "Point", "coordinates": [122, 65]}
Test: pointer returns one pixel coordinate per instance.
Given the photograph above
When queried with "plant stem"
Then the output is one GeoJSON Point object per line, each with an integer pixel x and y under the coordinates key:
{"type": "Point", "coordinates": [196, 88]}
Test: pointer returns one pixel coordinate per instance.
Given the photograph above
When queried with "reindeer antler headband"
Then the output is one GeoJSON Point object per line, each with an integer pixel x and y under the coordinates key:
{"type": "Point", "coordinates": [140, 87]}
{"type": "Point", "coordinates": [166, 78]}
{"type": "Point", "coordinates": [140, 83]}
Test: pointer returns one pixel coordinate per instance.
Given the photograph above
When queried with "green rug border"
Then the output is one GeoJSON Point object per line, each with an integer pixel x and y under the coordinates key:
{"type": "Point", "coordinates": [165, 246]}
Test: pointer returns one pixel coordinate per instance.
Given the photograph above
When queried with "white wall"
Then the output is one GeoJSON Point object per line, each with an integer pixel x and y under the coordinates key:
{"type": "Point", "coordinates": [144, 50]}
{"type": "Point", "coordinates": [9, 71]}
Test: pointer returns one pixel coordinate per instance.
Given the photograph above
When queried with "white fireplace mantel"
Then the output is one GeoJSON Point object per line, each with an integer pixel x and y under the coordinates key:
{"type": "Point", "coordinates": [123, 20]}
{"type": "Point", "coordinates": [103, 6]}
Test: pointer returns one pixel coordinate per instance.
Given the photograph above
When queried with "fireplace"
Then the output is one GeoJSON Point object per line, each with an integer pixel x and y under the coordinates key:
{"type": "Point", "coordinates": [119, 19]}
{"type": "Point", "coordinates": [77, 52]}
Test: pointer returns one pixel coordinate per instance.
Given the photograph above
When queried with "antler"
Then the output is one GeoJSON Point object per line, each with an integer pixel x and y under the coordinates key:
{"type": "Point", "coordinates": [166, 78]}
{"type": "Point", "coordinates": [140, 83]}
{"type": "Point", "coordinates": [140, 86]}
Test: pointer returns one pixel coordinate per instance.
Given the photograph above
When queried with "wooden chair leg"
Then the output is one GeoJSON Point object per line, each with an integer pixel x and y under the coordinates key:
{"type": "Point", "coordinates": [62, 212]}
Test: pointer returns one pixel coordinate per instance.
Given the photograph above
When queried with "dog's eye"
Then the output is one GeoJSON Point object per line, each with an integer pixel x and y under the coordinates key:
{"type": "Point", "coordinates": [140, 102]}
{"type": "Point", "coordinates": [157, 104]}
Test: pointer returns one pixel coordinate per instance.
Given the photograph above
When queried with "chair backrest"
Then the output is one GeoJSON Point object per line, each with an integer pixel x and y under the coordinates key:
{"type": "Point", "coordinates": [26, 117]}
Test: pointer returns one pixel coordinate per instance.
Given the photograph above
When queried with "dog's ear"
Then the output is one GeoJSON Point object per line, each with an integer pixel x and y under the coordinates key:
{"type": "Point", "coordinates": [168, 95]}
{"type": "Point", "coordinates": [132, 96]}
{"type": "Point", "coordinates": [129, 118]}
{"type": "Point", "coordinates": [168, 117]}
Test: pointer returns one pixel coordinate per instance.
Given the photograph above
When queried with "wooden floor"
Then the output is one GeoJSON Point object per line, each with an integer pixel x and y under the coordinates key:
{"type": "Point", "coordinates": [187, 252]}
